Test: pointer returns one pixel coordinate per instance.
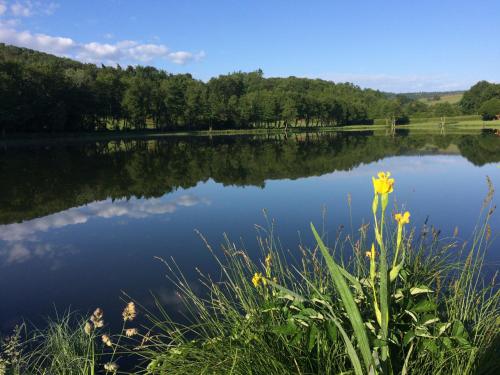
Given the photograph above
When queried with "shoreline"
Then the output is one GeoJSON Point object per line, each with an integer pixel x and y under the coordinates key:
{"type": "Point", "coordinates": [34, 138]}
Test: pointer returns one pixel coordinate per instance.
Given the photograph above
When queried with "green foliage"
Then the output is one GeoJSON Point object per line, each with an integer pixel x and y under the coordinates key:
{"type": "Point", "coordinates": [477, 95]}
{"type": "Point", "coordinates": [44, 93]}
{"type": "Point", "coordinates": [321, 315]}
{"type": "Point", "coordinates": [490, 109]}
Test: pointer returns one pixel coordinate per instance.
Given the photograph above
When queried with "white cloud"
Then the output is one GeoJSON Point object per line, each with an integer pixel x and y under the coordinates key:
{"type": "Point", "coordinates": [42, 42]}
{"type": "Point", "coordinates": [122, 52]}
{"type": "Point", "coordinates": [400, 83]}
{"type": "Point", "coordinates": [22, 9]}
{"type": "Point", "coordinates": [27, 8]}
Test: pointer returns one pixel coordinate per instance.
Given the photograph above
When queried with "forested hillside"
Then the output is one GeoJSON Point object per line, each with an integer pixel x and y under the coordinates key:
{"type": "Point", "coordinates": [45, 93]}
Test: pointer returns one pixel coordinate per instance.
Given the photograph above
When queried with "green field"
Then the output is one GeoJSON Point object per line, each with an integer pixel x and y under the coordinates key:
{"type": "Point", "coordinates": [448, 98]}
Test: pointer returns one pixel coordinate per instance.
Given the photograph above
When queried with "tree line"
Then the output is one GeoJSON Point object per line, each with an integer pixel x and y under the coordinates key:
{"type": "Point", "coordinates": [44, 93]}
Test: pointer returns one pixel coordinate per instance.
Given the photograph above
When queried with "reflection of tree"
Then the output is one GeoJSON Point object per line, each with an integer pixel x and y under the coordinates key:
{"type": "Point", "coordinates": [480, 150]}
{"type": "Point", "coordinates": [37, 181]}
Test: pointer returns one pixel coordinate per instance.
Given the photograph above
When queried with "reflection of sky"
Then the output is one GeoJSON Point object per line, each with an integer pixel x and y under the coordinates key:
{"type": "Point", "coordinates": [97, 250]}
{"type": "Point", "coordinates": [22, 242]}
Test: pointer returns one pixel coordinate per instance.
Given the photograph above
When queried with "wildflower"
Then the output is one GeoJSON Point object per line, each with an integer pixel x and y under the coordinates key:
{"type": "Point", "coordinates": [368, 254]}
{"type": "Point", "coordinates": [96, 318]}
{"type": "Point", "coordinates": [268, 261]}
{"type": "Point", "coordinates": [107, 340]}
{"type": "Point", "coordinates": [383, 184]}
{"type": "Point", "coordinates": [111, 367]}
{"type": "Point", "coordinates": [402, 218]}
{"type": "Point", "coordinates": [88, 328]}
{"type": "Point", "coordinates": [129, 312]}
{"type": "Point", "coordinates": [258, 278]}
{"type": "Point", "coordinates": [131, 332]}
{"type": "Point", "coordinates": [98, 313]}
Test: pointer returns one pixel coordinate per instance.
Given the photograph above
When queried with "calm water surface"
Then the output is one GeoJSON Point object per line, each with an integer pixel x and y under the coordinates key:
{"type": "Point", "coordinates": [82, 221]}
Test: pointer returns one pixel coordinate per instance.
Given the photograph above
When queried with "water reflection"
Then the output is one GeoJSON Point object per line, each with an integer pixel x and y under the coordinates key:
{"type": "Point", "coordinates": [21, 241]}
{"type": "Point", "coordinates": [95, 214]}
{"type": "Point", "coordinates": [41, 180]}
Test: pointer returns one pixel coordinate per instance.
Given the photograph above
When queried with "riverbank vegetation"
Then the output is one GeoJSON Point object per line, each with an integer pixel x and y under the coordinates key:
{"type": "Point", "coordinates": [44, 93]}
{"type": "Point", "coordinates": [386, 300]}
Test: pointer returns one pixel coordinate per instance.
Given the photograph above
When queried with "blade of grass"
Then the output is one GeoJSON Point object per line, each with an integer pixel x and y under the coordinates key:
{"type": "Point", "coordinates": [348, 302]}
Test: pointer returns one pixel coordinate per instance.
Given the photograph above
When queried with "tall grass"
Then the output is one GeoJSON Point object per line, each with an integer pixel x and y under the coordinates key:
{"type": "Point", "coordinates": [410, 304]}
{"type": "Point", "coordinates": [407, 303]}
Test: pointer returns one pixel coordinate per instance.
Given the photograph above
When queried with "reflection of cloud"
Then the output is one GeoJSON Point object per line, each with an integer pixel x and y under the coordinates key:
{"type": "Point", "coordinates": [19, 252]}
{"type": "Point", "coordinates": [427, 164]}
{"type": "Point", "coordinates": [133, 208]}
{"type": "Point", "coordinates": [20, 238]}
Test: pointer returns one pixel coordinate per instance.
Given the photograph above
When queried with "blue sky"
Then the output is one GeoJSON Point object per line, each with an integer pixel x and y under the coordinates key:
{"type": "Point", "coordinates": [389, 45]}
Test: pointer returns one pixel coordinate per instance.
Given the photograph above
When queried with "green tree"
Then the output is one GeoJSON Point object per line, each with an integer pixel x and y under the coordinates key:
{"type": "Point", "coordinates": [490, 109]}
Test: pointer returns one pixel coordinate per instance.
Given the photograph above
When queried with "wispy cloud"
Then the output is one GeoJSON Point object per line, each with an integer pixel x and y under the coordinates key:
{"type": "Point", "coordinates": [3, 8]}
{"type": "Point", "coordinates": [27, 8]}
{"type": "Point", "coordinates": [121, 52]}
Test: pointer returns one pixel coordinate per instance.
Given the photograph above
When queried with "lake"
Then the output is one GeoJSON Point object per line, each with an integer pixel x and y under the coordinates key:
{"type": "Point", "coordinates": [80, 222]}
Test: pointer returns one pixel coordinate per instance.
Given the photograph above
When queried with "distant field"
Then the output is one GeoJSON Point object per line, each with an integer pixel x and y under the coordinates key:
{"type": "Point", "coordinates": [446, 98]}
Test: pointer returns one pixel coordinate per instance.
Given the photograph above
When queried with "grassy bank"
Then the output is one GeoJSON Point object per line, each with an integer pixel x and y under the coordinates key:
{"type": "Point", "coordinates": [452, 124]}
{"type": "Point", "coordinates": [385, 299]}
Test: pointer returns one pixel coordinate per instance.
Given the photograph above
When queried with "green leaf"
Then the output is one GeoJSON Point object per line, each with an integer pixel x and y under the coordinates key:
{"type": "Point", "coordinates": [424, 306]}
{"type": "Point", "coordinates": [430, 345]}
{"type": "Point", "coordinates": [313, 334]}
{"type": "Point", "coordinates": [428, 319]}
{"type": "Point", "coordinates": [333, 331]}
{"type": "Point", "coordinates": [458, 329]}
{"type": "Point", "coordinates": [422, 331]}
{"type": "Point", "coordinates": [442, 327]}
{"type": "Point", "coordinates": [287, 329]}
{"type": "Point", "coordinates": [410, 335]}
{"type": "Point", "coordinates": [348, 302]}
{"type": "Point", "coordinates": [420, 289]}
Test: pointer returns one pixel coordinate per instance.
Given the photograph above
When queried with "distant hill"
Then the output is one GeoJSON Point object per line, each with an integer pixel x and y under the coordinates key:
{"type": "Point", "coordinates": [22, 55]}
{"type": "Point", "coordinates": [432, 97]}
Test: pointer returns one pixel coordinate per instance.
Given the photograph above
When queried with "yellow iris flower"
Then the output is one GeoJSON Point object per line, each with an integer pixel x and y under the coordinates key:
{"type": "Point", "coordinates": [383, 184]}
{"type": "Point", "coordinates": [402, 218]}
{"type": "Point", "coordinates": [257, 279]}
{"type": "Point", "coordinates": [268, 261]}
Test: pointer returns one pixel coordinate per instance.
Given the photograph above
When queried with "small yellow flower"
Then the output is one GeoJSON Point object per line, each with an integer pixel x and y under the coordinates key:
{"type": "Point", "coordinates": [98, 313]}
{"type": "Point", "coordinates": [257, 279]}
{"type": "Point", "coordinates": [131, 332]}
{"type": "Point", "coordinates": [268, 261]}
{"type": "Point", "coordinates": [88, 328]}
{"type": "Point", "coordinates": [383, 184]}
{"type": "Point", "coordinates": [129, 312]}
{"type": "Point", "coordinates": [368, 254]}
{"type": "Point", "coordinates": [107, 340]}
{"type": "Point", "coordinates": [111, 367]}
{"type": "Point", "coordinates": [402, 218]}
{"type": "Point", "coordinates": [97, 318]}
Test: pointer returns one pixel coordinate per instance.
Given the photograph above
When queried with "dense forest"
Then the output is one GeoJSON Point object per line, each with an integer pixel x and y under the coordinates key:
{"type": "Point", "coordinates": [42, 179]}
{"type": "Point", "coordinates": [44, 93]}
